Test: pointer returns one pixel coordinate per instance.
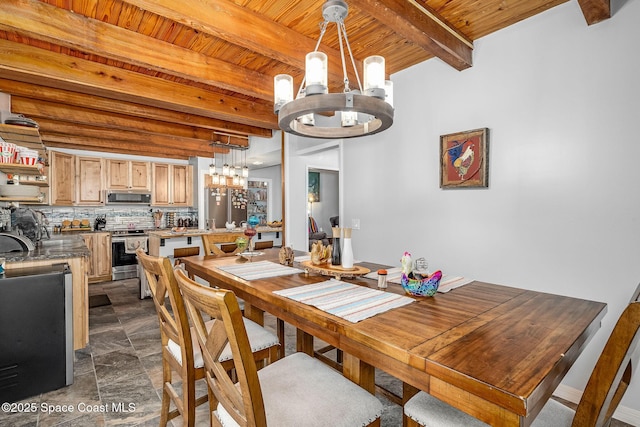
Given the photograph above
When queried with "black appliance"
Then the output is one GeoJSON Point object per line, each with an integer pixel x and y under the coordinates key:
{"type": "Point", "coordinates": [124, 263]}
{"type": "Point", "coordinates": [128, 198]}
{"type": "Point", "coordinates": [36, 331]}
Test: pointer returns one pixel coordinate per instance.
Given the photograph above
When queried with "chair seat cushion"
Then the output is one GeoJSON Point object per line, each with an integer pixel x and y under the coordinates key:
{"type": "Point", "coordinates": [554, 414]}
{"type": "Point", "coordinates": [429, 411]}
{"type": "Point", "coordinates": [432, 412]}
{"type": "Point", "coordinates": [300, 391]}
{"type": "Point", "coordinates": [259, 338]}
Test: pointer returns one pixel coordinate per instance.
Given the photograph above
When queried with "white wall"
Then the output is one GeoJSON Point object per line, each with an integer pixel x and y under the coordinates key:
{"type": "Point", "coordinates": [562, 211]}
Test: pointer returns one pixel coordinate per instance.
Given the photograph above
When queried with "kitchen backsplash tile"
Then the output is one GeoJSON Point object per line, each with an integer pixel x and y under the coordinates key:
{"type": "Point", "coordinates": [117, 218]}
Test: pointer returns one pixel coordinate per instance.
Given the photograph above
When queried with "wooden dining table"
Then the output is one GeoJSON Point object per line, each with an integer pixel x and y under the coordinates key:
{"type": "Point", "coordinates": [495, 352]}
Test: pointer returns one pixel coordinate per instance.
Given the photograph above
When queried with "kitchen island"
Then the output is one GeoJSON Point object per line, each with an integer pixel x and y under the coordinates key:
{"type": "Point", "coordinates": [68, 249]}
{"type": "Point", "coordinates": [188, 242]}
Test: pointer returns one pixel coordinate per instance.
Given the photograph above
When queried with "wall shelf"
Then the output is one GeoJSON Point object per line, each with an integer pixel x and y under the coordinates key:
{"type": "Point", "coordinates": [36, 183]}
{"type": "Point", "coordinates": [19, 169]}
{"type": "Point", "coordinates": [22, 199]}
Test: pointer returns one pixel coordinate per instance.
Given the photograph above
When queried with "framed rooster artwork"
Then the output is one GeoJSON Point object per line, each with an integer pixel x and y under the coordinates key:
{"type": "Point", "coordinates": [464, 159]}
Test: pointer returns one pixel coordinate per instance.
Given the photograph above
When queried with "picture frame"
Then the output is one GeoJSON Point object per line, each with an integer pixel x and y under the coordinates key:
{"type": "Point", "coordinates": [314, 187]}
{"type": "Point", "coordinates": [464, 159]}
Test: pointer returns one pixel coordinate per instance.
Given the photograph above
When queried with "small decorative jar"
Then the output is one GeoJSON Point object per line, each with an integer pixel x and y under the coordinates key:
{"type": "Point", "coordinates": [382, 279]}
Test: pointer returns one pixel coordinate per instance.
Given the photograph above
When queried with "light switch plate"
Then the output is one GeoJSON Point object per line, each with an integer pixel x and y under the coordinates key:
{"type": "Point", "coordinates": [355, 223]}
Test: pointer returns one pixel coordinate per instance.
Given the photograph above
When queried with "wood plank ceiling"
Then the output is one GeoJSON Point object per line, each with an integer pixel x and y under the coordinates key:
{"type": "Point", "coordinates": [165, 78]}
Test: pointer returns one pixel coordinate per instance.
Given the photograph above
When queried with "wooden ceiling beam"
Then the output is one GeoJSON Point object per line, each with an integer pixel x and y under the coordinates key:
{"type": "Point", "coordinates": [422, 27]}
{"type": "Point", "coordinates": [595, 11]}
{"type": "Point", "coordinates": [37, 92]}
{"type": "Point", "coordinates": [125, 137]}
{"type": "Point", "coordinates": [47, 68]}
{"type": "Point", "coordinates": [41, 21]}
{"type": "Point", "coordinates": [54, 140]}
{"type": "Point", "coordinates": [37, 109]}
{"type": "Point", "coordinates": [228, 21]}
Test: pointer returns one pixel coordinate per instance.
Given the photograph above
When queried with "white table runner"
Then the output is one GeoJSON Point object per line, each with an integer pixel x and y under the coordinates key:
{"type": "Point", "coordinates": [348, 301]}
{"type": "Point", "coordinates": [259, 270]}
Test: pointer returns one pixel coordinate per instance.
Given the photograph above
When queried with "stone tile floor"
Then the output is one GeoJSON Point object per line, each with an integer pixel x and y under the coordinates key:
{"type": "Point", "coordinates": [118, 376]}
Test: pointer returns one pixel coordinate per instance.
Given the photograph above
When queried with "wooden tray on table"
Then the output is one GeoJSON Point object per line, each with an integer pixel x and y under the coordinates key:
{"type": "Point", "coordinates": [334, 270]}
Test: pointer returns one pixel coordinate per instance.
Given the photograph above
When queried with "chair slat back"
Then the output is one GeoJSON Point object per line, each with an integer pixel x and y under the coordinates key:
{"type": "Point", "coordinates": [612, 374]}
{"type": "Point", "coordinates": [244, 403]}
{"type": "Point", "coordinates": [174, 322]}
{"type": "Point", "coordinates": [210, 241]}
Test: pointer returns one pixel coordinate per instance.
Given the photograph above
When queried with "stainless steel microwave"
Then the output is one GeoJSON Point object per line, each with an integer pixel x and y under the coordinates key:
{"type": "Point", "coordinates": [128, 198]}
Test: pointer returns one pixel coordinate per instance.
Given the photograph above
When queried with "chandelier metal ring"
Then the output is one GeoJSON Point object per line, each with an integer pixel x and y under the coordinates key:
{"type": "Point", "coordinates": [381, 112]}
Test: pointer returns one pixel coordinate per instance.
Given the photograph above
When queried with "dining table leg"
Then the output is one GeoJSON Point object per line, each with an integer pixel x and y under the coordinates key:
{"type": "Point", "coordinates": [359, 372]}
{"type": "Point", "coordinates": [253, 313]}
{"type": "Point", "coordinates": [304, 342]}
{"type": "Point", "coordinates": [408, 391]}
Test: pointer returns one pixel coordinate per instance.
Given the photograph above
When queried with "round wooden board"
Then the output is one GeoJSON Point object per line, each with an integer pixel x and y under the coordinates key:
{"type": "Point", "coordinates": [335, 270]}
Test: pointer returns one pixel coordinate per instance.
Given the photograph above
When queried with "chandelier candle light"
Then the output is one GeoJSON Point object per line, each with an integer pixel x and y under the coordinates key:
{"type": "Point", "coordinates": [317, 113]}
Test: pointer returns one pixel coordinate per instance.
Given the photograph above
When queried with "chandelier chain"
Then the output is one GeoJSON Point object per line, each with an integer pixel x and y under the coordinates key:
{"type": "Point", "coordinates": [344, 63]}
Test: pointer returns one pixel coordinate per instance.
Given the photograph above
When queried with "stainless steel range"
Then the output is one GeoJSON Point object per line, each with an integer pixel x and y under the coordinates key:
{"type": "Point", "coordinates": [124, 243]}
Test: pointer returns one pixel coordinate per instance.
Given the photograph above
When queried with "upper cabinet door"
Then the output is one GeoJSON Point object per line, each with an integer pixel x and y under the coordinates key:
{"type": "Point", "coordinates": [182, 185]}
{"type": "Point", "coordinates": [172, 185]}
{"type": "Point", "coordinates": [62, 178]}
{"type": "Point", "coordinates": [128, 175]}
{"type": "Point", "coordinates": [140, 175]}
{"type": "Point", "coordinates": [90, 181]}
{"type": "Point", "coordinates": [161, 183]}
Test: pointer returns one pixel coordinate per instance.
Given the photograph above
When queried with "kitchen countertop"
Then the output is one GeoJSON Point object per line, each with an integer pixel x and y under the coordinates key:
{"type": "Point", "coordinates": [58, 247]}
{"type": "Point", "coordinates": [168, 234]}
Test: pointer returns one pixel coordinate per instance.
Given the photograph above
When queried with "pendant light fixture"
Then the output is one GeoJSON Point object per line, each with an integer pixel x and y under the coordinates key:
{"type": "Point", "coordinates": [230, 176]}
{"type": "Point", "coordinates": [317, 113]}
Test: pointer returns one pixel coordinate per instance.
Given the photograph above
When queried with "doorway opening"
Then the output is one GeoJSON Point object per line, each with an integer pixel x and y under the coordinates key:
{"type": "Point", "coordinates": [323, 202]}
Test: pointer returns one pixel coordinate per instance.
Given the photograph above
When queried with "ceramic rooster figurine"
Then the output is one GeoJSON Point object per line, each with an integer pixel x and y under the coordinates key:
{"type": "Point", "coordinates": [406, 263]}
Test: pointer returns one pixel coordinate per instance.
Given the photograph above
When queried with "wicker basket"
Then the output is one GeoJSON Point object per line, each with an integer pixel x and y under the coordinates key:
{"type": "Point", "coordinates": [425, 287]}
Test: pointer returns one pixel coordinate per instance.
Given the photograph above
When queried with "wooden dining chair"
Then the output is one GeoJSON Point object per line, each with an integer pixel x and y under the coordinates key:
{"type": "Point", "coordinates": [605, 388]}
{"type": "Point", "coordinates": [210, 244]}
{"type": "Point", "coordinates": [211, 241]}
{"type": "Point", "coordinates": [296, 390]}
{"type": "Point", "coordinates": [180, 349]}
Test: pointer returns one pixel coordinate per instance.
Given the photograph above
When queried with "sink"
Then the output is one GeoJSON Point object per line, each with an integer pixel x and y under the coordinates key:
{"type": "Point", "coordinates": [14, 243]}
{"type": "Point", "coordinates": [58, 242]}
{"type": "Point", "coordinates": [50, 243]}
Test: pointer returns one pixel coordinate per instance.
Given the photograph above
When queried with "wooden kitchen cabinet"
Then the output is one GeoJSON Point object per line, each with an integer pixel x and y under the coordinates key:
{"type": "Point", "coordinates": [62, 170]}
{"type": "Point", "coordinates": [89, 181]}
{"type": "Point", "coordinates": [172, 185]}
{"type": "Point", "coordinates": [99, 266]}
{"type": "Point", "coordinates": [128, 175]}
{"type": "Point", "coordinates": [75, 180]}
